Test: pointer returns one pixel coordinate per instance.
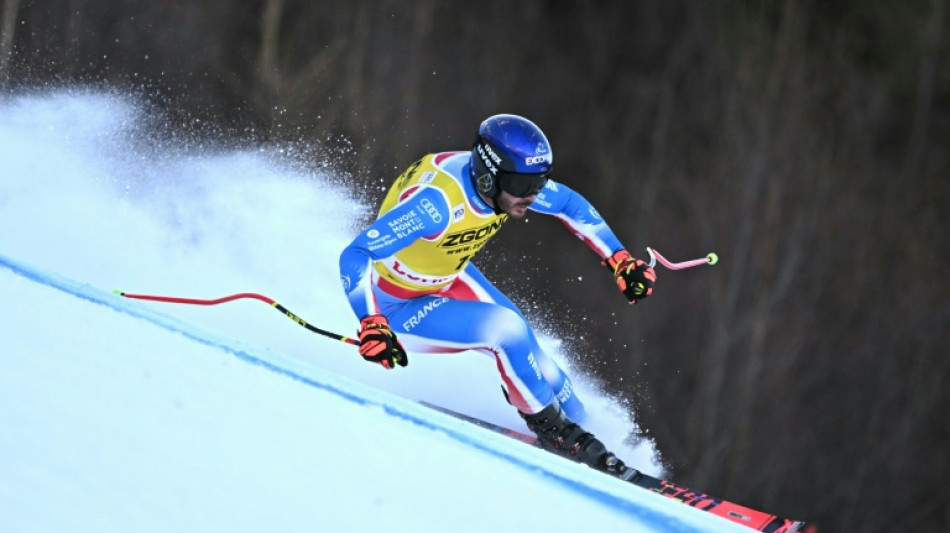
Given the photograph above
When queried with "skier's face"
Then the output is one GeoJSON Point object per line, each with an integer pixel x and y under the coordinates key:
{"type": "Point", "coordinates": [514, 206]}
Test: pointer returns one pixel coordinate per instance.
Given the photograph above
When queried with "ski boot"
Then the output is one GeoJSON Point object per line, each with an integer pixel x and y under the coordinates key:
{"type": "Point", "coordinates": [559, 435]}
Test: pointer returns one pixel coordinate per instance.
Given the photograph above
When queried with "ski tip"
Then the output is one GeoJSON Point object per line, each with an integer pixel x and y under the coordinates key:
{"type": "Point", "coordinates": [713, 258]}
{"type": "Point", "coordinates": [117, 291]}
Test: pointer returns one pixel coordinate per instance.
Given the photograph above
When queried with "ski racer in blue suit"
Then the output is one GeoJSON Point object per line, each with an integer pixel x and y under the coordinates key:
{"type": "Point", "coordinates": [410, 274]}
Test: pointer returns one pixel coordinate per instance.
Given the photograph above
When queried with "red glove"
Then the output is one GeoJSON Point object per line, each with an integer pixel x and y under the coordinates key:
{"type": "Point", "coordinates": [634, 277]}
{"type": "Point", "coordinates": [378, 343]}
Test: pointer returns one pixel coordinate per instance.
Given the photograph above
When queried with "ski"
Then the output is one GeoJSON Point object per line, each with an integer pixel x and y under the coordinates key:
{"type": "Point", "coordinates": [751, 518]}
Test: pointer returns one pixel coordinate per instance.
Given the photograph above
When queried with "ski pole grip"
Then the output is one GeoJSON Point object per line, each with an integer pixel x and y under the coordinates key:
{"type": "Point", "coordinates": [655, 257]}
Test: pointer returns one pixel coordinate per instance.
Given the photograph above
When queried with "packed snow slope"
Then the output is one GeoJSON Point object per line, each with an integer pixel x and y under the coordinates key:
{"type": "Point", "coordinates": [121, 415]}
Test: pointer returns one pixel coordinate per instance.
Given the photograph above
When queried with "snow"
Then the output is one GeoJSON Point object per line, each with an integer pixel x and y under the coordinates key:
{"type": "Point", "coordinates": [122, 415]}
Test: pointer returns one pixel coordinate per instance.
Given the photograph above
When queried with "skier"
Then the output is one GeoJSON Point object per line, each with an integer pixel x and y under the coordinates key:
{"type": "Point", "coordinates": [410, 273]}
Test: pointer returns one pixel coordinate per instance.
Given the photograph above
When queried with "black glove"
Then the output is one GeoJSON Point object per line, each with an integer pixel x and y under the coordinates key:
{"type": "Point", "coordinates": [378, 343]}
{"type": "Point", "coordinates": [634, 277]}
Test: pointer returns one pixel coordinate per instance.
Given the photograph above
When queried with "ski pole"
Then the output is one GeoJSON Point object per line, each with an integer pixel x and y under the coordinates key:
{"type": "Point", "coordinates": [255, 296]}
{"type": "Point", "coordinates": [710, 259]}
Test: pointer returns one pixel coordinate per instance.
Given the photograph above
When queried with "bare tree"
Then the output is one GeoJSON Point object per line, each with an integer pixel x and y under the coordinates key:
{"type": "Point", "coordinates": [7, 32]}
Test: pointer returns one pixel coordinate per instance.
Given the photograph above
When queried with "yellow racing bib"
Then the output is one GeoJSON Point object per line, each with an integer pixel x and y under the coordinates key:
{"type": "Point", "coordinates": [433, 262]}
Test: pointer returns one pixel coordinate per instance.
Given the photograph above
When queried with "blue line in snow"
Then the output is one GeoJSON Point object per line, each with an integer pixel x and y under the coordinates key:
{"type": "Point", "coordinates": [123, 305]}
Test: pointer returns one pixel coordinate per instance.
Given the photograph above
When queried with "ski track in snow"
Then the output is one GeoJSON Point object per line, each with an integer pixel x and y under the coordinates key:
{"type": "Point", "coordinates": [123, 415]}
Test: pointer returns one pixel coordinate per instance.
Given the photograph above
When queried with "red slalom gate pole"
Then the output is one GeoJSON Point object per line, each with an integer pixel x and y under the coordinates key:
{"type": "Point", "coordinates": [232, 297]}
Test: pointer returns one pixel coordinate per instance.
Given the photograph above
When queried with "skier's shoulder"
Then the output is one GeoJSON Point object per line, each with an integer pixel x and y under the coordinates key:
{"type": "Point", "coordinates": [430, 167]}
{"type": "Point", "coordinates": [443, 171]}
{"type": "Point", "coordinates": [553, 198]}
{"type": "Point", "coordinates": [450, 164]}
{"type": "Point", "coordinates": [447, 161]}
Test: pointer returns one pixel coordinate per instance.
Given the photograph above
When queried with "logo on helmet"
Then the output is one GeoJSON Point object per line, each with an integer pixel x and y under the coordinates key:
{"type": "Point", "coordinates": [488, 157]}
{"type": "Point", "coordinates": [542, 155]}
{"type": "Point", "coordinates": [494, 157]}
{"type": "Point", "coordinates": [485, 183]}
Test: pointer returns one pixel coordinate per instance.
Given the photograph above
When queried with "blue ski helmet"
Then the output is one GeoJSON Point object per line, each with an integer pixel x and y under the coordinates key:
{"type": "Point", "coordinates": [510, 154]}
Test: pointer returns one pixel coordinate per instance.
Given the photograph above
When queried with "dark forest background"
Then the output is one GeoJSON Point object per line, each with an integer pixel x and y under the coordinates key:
{"type": "Point", "coordinates": [805, 142]}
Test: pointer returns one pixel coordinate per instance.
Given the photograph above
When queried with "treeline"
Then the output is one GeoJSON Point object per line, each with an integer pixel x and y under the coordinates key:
{"type": "Point", "coordinates": [805, 142]}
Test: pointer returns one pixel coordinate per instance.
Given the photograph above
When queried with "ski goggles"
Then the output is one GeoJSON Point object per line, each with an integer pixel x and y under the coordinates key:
{"type": "Point", "coordinates": [521, 185]}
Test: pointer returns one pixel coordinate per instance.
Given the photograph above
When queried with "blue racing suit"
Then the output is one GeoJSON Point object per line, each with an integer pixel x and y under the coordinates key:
{"type": "Point", "coordinates": [413, 265]}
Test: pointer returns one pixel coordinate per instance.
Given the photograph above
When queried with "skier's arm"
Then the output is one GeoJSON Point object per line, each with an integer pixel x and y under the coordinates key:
{"type": "Point", "coordinates": [634, 278]}
{"type": "Point", "coordinates": [579, 216]}
{"type": "Point", "coordinates": [424, 214]}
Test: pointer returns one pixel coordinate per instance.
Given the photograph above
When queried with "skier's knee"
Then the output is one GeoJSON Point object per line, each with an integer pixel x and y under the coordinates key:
{"type": "Point", "coordinates": [508, 328]}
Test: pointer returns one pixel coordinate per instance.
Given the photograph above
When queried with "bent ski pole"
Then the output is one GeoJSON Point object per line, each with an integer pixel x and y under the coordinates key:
{"type": "Point", "coordinates": [710, 259]}
{"type": "Point", "coordinates": [255, 296]}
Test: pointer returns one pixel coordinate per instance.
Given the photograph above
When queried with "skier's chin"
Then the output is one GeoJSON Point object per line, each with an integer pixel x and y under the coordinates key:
{"type": "Point", "coordinates": [515, 207]}
{"type": "Point", "coordinates": [517, 210]}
